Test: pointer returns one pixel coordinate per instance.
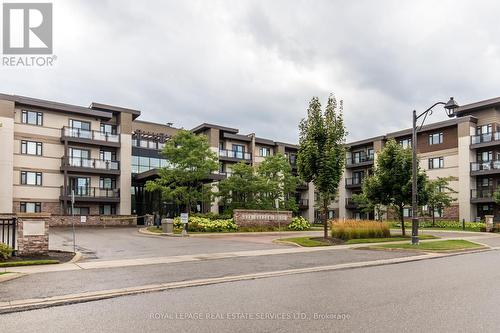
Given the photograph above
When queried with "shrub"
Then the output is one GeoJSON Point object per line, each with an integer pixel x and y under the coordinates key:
{"type": "Point", "coordinates": [444, 224]}
{"type": "Point", "coordinates": [351, 229]}
{"type": "Point", "coordinates": [203, 224]}
{"type": "Point", "coordinates": [299, 223]}
{"type": "Point", "coordinates": [5, 251]}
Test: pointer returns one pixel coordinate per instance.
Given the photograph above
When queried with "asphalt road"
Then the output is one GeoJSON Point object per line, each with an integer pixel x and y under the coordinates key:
{"type": "Point", "coordinates": [70, 282]}
{"type": "Point", "coordinates": [453, 294]}
{"type": "Point", "coordinates": [122, 243]}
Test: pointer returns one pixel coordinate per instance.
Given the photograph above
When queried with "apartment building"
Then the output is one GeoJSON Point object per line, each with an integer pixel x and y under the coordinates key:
{"type": "Point", "coordinates": [102, 155]}
{"type": "Point", "coordinates": [466, 148]}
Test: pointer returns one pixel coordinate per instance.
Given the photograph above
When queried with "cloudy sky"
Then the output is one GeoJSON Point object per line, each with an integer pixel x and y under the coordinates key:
{"type": "Point", "coordinates": [254, 65]}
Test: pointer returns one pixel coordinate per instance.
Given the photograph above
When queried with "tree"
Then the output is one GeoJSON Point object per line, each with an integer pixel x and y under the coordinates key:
{"type": "Point", "coordinates": [190, 161]}
{"type": "Point", "coordinates": [279, 184]}
{"type": "Point", "coordinates": [438, 194]}
{"type": "Point", "coordinates": [321, 154]}
{"type": "Point", "coordinates": [390, 183]}
{"type": "Point", "coordinates": [366, 206]}
{"type": "Point", "coordinates": [242, 189]}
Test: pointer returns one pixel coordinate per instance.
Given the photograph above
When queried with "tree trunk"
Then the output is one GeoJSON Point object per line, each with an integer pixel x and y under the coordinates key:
{"type": "Point", "coordinates": [401, 216]}
{"type": "Point", "coordinates": [325, 219]}
{"type": "Point", "coordinates": [433, 217]}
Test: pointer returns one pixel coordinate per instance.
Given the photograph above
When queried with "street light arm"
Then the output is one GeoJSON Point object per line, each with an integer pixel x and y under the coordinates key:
{"type": "Point", "coordinates": [426, 113]}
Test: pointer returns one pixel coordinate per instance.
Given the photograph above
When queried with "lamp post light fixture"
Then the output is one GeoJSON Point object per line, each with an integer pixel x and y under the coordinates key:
{"type": "Point", "coordinates": [450, 107]}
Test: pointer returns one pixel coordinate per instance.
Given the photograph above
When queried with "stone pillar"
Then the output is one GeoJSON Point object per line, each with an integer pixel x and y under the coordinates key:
{"type": "Point", "coordinates": [32, 233]}
{"type": "Point", "coordinates": [125, 154]}
{"type": "Point", "coordinates": [488, 219]}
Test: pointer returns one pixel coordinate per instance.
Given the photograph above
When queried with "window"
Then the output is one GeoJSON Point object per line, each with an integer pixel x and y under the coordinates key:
{"type": "Point", "coordinates": [483, 129]}
{"type": "Point", "coordinates": [107, 183]}
{"type": "Point", "coordinates": [485, 182]}
{"type": "Point", "coordinates": [32, 117]}
{"type": "Point", "coordinates": [405, 143]}
{"type": "Point", "coordinates": [31, 178]}
{"type": "Point", "coordinates": [357, 177]}
{"type": "Point", "coordinates": [105, 155]}
{"type": "Point", "coordinates": [221, 145]}
{"type": "Point", "coordinates": [152, 145]}
{"type": "Point", "coordinates": [80, 211]}
{"type": "Point", "coordinates": [438, 212]}
{"type": "Point", "coordinates": [484, 156]}
{"type": "Point", "coordinates": [31, 148]}
{"type": "Point", "coordinates": [108, 128]}
{"type": "Point", "coordinates": [370, 153]}
{"type": "Point", "coordinates": [293, 159]}
{"type": "Point", "coordinates": [107, 210]}
{"type": "Point", "coordinates": [436, 138]}
{"type": "Point", "coordinates": [83, 125]}
{"type": "Point", "coordinates": [407, 212]}
{"type": "Point", "coordinates": [356, 157]}
{"type": "Point", "coordinates": [31, 207]}
{"type": "Point", "coordinates": [264, 151]}
{"type": "Point", "coordinates": [239, 151]}
{"type": "Point", "coordinates": [436, 163]}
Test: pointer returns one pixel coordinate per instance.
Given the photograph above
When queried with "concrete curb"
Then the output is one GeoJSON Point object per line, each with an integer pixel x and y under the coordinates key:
{"type": "Point", "coordinates": [77, 257]}
{"type": "Point", "coordinates": [31, 304]}
{"type": "Point", "coordinates": [146, 232]}
{"type": "Point", "coordinates": [10, 276]}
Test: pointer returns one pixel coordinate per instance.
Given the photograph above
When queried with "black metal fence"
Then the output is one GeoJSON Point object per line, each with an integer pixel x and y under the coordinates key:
{"type": "Point", "coordinates": [8, 232]}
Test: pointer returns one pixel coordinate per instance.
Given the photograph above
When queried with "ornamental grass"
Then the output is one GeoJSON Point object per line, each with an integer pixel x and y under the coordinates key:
{"type": "Point", "coordinates": [356, 229]}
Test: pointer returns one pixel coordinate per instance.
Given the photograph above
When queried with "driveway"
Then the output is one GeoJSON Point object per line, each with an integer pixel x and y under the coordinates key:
{"type": "Point", "coordinates": [126, 243]}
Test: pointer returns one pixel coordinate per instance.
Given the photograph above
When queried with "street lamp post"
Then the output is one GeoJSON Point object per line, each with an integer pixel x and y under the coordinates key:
{"type": "Point", "coordinates": [450, 107]}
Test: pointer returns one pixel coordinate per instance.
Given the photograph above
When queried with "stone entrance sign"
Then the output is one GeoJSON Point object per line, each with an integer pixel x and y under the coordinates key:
{"type": "Point", "coordinates": [250, 217]}
{"type": "Point", "coordinates": [32, 233]}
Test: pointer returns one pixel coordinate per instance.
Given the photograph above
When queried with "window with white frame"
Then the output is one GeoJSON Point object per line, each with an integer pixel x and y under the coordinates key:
{"type": "Point", "coordinates": [407, 212]}
{"type": "Point", "coordinates": [32, 117]}
{"type": "Point", "coordinates": [436, 138]}
{"type": "Point", "coordinates": [436, 163]}
{"type": "Point", "coordinates": [405, 143]}
{"type": "Point", "coordinates": [31, 147]}
{"type": "Point", "coordinates": [264, 151]}
{"type": "Point", "coordinates": [31, 178]}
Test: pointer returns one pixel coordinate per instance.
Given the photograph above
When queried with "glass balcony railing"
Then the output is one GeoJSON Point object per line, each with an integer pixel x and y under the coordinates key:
{"type": "Point", "coordinates": [359, 159]}
{"type": "Point", "coordinates": [485, 193]}
{"type": "Point", "coordinates": [78, 133]}
{"type": "Point", "coordinates": [485, 165]}
{"type": "Point", "coordinates": [486, 137]}
{"type": "Point", "coordinates": [91, 192]}
{"type": "Point", "coordinates": [90, 163]}
{"type": "Point", "coordinates": [235, 154]}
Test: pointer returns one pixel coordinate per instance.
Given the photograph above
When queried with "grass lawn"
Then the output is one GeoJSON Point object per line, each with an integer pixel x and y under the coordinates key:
{"type": "Point", "coordinates": [28, 263]}
{"type": "Point", "coordinates": [444, 245]}
{"type": "Point", "coordinates": [307, 241]}
{"type": "Point", "coordinates": [388, 239]}
{"type": "Point", "coordinates": [155, 230]}
{"type": "Point", "coordinates": [1, 273]}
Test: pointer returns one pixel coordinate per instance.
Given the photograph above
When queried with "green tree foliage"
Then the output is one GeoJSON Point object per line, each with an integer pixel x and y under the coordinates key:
{"type": "Point", "coordinates": [258, 188]}
{"type": "Point", "coordinates": [190, 162]}
{"type": "Point", "coordinates": [438, 192]}
{"type": "Point", "coordinates": [366, 206]}
{"type": "Point", "coordinates": [390, 183]}
{"type": "Point", "coordinates": [321, 154]}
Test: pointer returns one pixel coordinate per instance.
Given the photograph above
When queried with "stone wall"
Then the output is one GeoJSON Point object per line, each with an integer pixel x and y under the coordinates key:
{"type": "Point", "coordinates": [32, 234]}
{"type": "Point", "coordinates": [92, 221]}
{"type": "Point", "coordinates": [450, 213]}
{"type": "Point", "coordinates": [250, 217]}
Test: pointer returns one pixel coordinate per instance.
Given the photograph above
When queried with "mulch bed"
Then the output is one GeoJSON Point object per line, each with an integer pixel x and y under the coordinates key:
{"type": "Point", "coordinates": [62, 256]}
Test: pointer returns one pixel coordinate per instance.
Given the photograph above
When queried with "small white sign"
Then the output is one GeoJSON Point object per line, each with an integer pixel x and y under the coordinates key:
{"type": "Point", "coordinates": [184, 218]}
{"type": "Point", "coordinates": [83, 219]}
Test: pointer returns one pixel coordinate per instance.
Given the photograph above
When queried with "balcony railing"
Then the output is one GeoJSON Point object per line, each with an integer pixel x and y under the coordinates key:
{"type": "Point", "coordinates": [485, 193]}
{"type": "Point", "coordinates": [235, 154]}
{"type": "Point", "coordinates": [354, 181]}
{"type": "Point", "coordinates": [90, 163]}
{"type": "Point", "coordinates": [78, 133]}
{"type": "Point", "coordinates": [91, 192]}
{"type": "Point", "coordinates": [486, 165]}
{"type": "Point", "coordinates": [303, 202]}
{"type": "Point", "coordinates": [349, 202]}
{"type": "Point", "coordinates": [359, 159]}
{"type": "Point", "coordinates": [486, 137]}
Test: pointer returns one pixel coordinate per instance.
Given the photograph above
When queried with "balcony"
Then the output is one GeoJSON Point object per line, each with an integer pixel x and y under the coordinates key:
{"type": "Point", "coordinates": [233, 155]}
{"type": "Point", "coordinates": [98, 138]}
{"type": "Point", "coordinates": [303, 203]}
{"type": "Point", "coordinates": [485, 168]}
{"type": "Point", "coordinates": [484, 140]}
{"type": "Point", "coordinates": [354, 182]}
{"type": "Point", "coordinates": [482, 196]}
{"type": "Point", "coordinates": [350, 203]}
{"type": "Point", "coordinates": [358, 161]}
{"type": "Point", "coordinates": [91, 194]}
{"type": "Point", "coordinates": [77, 164]}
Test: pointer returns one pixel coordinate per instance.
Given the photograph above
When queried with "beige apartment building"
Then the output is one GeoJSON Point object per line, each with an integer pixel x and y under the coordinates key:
{"type": "Point", "coordinates": [466, 148]}
{"type": "Point", "coordinates": [101, 156]}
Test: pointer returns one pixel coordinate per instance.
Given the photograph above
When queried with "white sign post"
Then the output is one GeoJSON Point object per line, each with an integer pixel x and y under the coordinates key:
{"type": "Point", "coordinates": [184, 221]}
